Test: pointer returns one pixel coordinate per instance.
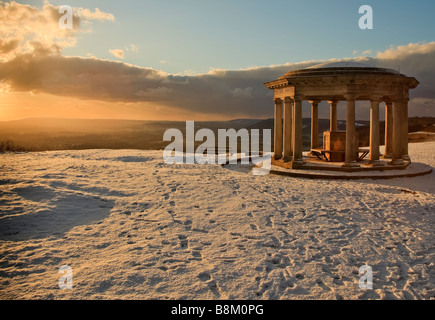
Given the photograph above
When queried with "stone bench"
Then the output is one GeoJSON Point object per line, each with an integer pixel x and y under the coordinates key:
{"type": "Point", "coordinates": [337, 156]}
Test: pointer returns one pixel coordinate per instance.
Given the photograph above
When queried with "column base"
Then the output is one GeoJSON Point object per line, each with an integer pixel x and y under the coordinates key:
{"type": "Point", "coordinates": [287, 158]}
{"type": "Point", "coordinates": [375, 163]}
{"type": "Point", "coordinates": [396, 162]}
{"type": "Point", "coordinates": [277, 157]}
{"type": "Point", "coordinates": [297, 164]}
{"type": "Point", "coordinates": [388, 156]}
{"type": "Point", "coordinates": [292, 164]}
{"type": "Point", "coordinates": [406, 157]}
{"type": "Point", "coordinates": [352, 164]}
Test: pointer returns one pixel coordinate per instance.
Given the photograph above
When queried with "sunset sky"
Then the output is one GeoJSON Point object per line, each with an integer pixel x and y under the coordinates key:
{"type": "Point", "coordinates": [197, 60]}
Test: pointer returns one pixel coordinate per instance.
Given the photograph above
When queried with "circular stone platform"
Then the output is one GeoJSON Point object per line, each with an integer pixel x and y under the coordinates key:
{"type": "Point", "coordinates": [409, 170]}
{"type": "Point", "coordinates": [413, 170]}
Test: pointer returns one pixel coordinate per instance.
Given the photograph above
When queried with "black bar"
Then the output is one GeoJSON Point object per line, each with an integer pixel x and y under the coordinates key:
{"type": "Point", "coordinates": [208, 309]}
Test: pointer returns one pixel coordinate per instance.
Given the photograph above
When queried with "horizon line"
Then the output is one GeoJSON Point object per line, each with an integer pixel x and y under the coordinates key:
{"type": "Point", "coordinates": [234, 119]}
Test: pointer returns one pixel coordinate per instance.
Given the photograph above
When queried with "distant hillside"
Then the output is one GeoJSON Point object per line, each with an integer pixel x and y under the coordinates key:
{"type": "Point", "coordinates": [63, 134]}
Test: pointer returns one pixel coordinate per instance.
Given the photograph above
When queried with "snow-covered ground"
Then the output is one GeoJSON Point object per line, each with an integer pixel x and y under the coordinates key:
{"type": "Point", "coordinates": [132, 227]}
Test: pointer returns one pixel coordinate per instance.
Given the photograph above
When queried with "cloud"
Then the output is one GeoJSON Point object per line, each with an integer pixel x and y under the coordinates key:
{"type": "Point", "coordinates": [414, 59]}
{"type": "Point", "coordinates": [161, 93]}
{"type": "Point", "coordinates": [367, 52]}
{"type": "Point", "coordinates": [26, 29]}
{"type": "Point", "coordinates": [119, 53]}
{"type": "Point", "coordinates": [31, 60]}
{"type": "Point", "coordinates": [132, 48]}
{"type": "Point", "coordinates": [229, 92]}
{"type": "Point", "coordinates": [424, 101]}
{"type": "Point", "coordinates": [8, 45]}
{"type": "Point", "coordinates": [96, 15]}
{"type": "Point", "coordinates": [401, 52]}
{"type": "Point", "coordinates": [242, 93]}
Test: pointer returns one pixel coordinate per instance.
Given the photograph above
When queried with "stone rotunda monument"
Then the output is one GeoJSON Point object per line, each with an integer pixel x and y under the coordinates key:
{"type": "Point", "coordinates": [335, 82]}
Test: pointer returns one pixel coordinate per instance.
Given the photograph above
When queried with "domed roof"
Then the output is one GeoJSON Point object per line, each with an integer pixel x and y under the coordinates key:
{"type": "Point", "coordinates": [331, 80]}
{"type": "Point", "coordinates": [339, 68]}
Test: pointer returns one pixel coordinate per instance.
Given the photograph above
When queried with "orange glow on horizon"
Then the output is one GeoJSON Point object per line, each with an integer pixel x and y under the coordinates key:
{"type": "Point", "coordinates": [21, 105]}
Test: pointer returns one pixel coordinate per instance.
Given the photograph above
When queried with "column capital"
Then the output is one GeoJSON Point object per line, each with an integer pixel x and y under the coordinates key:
{"type": "Point", "coordinates": [288, 99]}
{"type": "Point", "coordinates": [388, 102]}
{"type": "Point", "coordinates": [277, 100]}
{"type": "Point", "coordinates": [298, 98]}
{"type": "Point", "coordinates": [375, 99]}
{"type": "Point", "coordinates": [350, 96]}
{"type": "Point", "coordinates": [314, 102]}
{"type": "Point", "coordinates": [331, 102]}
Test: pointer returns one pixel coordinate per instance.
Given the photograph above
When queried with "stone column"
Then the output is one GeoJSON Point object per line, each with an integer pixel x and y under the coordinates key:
{"type": "Point", "coordinates": [397, 135]}
{"type": "Point", "coordinates": [388, 154]}
{"type": "Point", "coordinates": [288, 152]}
{"type": "Point", "coordinates": [350, 159]}
{"type": "Point", "coordinates": [374, 132]}
{"type": "Point", "coordinates": [314, 124]}
{"type": "Point", "coordinates": [297, 133]}
{"type": "Point", "coordinates": [333, 116]}
{"type": "Point", "coordinates": [404, 125]}
{"type": "Point", "coordinates": [278, 130]}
